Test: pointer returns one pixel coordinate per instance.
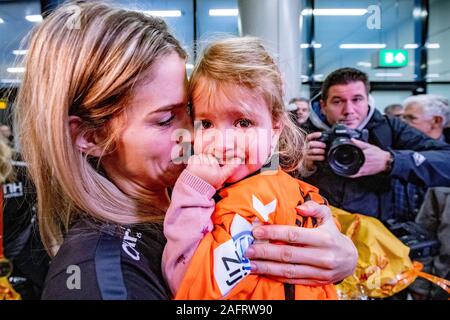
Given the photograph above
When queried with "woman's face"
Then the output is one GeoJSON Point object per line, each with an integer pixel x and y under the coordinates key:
{"type": "Point", "coordinates": [143, 157]}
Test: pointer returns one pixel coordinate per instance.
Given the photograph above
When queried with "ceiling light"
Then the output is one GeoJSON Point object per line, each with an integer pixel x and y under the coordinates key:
{"type": "Point", "coordinates": [19, 52]}
{"type": "Point", "coordinates": [411, 46]}
{"type": "Point", "coordinates": [313, 45]}
{"type": "Point", "coordinates": [10, 81]}
{"type": "Point", "coordinates": [317, 77]}
{"type": "Point", "coordinates": [364, 64]}
{"type": "Point", "coordinates": [34, 18]}
{"type": "Point", "coordinates": [334, 12]}
{"type": "Point", "coordinates": [362, 46]}
{"type": "Point", "coordinates": [2, 21]}
{"type": "Point", "coordinates": [433, 75]}
{"type": "Point", "coordinates": [223, 12]}
{"type": "Point", "coordinates": [389, 74]}
{"type": "Point", "coordinates": [163, 13]}
{"type": "Point", "coordinates": [433, 45]}
{"type": "Point", "coordinates": [417, 13]}
{"type": "Point", "coordinates": [16, 70]}
{"type": "Point", "coordinates": [304, 77]}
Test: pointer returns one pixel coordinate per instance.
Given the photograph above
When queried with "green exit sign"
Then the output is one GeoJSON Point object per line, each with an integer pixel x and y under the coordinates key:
{"type": "Point", "coordinates": [393, 58]}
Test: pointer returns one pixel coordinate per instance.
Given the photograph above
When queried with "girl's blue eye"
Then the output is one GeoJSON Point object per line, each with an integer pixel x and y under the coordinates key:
{"type": "Point", "coordinates": [243, 123]}
{"type": "Point", "coordinates": [206, 124]}
{"type": "Point", "coordinates": [167, 122]}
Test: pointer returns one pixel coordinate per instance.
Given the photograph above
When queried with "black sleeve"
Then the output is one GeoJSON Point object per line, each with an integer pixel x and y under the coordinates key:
{"type": "Point", "coordinates": [75, 282]}
{"type": "Point", "coordinates": [95, 266]}
{"type": "Point", "coordinates": [143, 286]}
{"type": "Point", "coordinates": [136, 285]}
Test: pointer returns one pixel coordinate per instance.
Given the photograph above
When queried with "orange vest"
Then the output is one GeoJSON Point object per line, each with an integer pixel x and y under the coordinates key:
{"type": "Point", "coordinates": [219, 270]}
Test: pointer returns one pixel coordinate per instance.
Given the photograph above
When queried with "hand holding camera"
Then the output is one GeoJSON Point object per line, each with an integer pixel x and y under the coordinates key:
{"type": "Point", "coordinates": [346, 152]}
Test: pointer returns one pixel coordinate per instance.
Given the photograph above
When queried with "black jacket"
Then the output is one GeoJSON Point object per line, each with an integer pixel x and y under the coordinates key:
{"type": "Point", "coordinates": [106, 262]}
{"type": "Point", "coordinates": [446, 134]}
{"type": "Point", "coordinates": [418, 159]}
{"type": "Point", "coordinates": [22, 243]}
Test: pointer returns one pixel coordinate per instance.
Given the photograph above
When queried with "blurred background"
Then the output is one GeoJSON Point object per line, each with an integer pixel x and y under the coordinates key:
{"type": "Point", "coordinates": [401, 44]}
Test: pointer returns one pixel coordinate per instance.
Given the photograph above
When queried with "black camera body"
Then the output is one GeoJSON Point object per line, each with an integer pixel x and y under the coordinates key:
{"type": "Point", "coordinates": [421, 242]}
{"type": "Point", "coordinates": [343, 156]}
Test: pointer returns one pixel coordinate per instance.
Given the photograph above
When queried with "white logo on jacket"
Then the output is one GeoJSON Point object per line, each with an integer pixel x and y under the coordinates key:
{"type": "Point", "coordinates": [418, 158]}
{"type": "Point", "coordinates": [230, 264]}
{"type": "Point", "coordinates": [129, 245]}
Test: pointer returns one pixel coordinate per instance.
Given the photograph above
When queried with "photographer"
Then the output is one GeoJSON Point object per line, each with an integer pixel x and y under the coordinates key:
{"type": "Point", "coordinates": [393, 149]}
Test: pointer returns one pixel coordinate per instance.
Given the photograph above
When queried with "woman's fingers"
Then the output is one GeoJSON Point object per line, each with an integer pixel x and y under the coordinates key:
{"type": "Point", "coordinates": [291, 254]}
{"type": "Point", "coordinates": [293, 235]}
{"type": "Point", "coordinates": [292, 271]}
{"type": "Point", "coordinates": [313, 209]}
{"type": "Point", "coordinates": [309, 255]}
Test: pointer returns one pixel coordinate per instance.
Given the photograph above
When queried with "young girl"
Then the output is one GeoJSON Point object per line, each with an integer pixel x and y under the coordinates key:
{"type": "Point", "coordinates": [240, 120]}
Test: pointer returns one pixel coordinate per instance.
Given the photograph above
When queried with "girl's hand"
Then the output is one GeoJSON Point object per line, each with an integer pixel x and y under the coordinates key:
{"type": "Point", "coordinates": [207, 167]}
{"type": "Point", "coordinates": [315, 256]}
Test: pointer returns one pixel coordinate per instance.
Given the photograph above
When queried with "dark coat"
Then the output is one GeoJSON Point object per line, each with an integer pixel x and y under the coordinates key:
{"type": "Point", "coordinates": [418, 159]}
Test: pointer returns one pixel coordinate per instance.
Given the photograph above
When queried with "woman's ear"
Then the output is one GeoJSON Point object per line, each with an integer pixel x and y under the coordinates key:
{"type": "Point", "coordinates": [83, 142]}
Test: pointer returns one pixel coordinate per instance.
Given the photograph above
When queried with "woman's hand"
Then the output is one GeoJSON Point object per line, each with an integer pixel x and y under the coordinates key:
{"type": "Point", "coordinates": [315, 256]}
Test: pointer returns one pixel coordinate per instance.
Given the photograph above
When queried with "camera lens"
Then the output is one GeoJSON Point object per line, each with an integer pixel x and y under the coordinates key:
{"type": "Point", "coordinates": [345, 158]}
{"type": "Point", "coordinates": [345, 155]}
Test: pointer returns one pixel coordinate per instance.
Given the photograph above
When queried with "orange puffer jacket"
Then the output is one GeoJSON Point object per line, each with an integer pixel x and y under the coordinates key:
{"type": "Point", "coordinates": [219, 269]}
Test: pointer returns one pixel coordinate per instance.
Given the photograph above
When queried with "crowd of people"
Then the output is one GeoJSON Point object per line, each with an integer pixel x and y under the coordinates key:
{"type": "Point", "coordinates": [136, 176]}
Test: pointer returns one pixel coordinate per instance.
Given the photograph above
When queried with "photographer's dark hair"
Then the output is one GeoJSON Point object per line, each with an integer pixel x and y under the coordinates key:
{"type": "Point", "coordinates": [344, 76]}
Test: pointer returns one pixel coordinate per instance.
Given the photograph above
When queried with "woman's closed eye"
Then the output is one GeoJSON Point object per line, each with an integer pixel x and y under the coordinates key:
{"type": "Point", "coordinates": [244, 123]}
{"type": "Point", "coordinates": [167, 121]}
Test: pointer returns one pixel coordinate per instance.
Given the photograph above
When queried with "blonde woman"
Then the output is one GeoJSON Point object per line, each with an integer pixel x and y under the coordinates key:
{"type": "Point", "coordinates": [100, 101]}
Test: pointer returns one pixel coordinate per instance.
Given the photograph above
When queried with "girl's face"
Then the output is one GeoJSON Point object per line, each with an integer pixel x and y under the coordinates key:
{"type": "Point", "coordinates": [143, 159]}
{"type": "Point", "coordinates": [234, 122]}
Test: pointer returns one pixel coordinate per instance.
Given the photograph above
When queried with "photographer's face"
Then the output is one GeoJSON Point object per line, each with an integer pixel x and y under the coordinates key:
{"type": "Point", "coordinates": [346, 104]}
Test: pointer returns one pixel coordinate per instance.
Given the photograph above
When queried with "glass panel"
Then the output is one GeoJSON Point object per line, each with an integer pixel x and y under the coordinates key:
{"type": "Point", "coordinates": [178, 14]}
{"type": "Point", "coordinates": [213, 22]}
{"type": "Point", "coordinates": [14, 26]}
{"type": "Point", "coordinates": [305, 52]}
{"type": "Point", "coordinates": [385, 98]}
{"type": "Point", "coordinates": [440, 89]}
{"type": "Point", "coordinates": [343, 40]}
{"type": "Point", "coordinates": [439, 41]}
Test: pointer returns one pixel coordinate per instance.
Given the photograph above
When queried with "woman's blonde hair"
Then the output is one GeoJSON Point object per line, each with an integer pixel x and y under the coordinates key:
{"type": "Point", "coordinates": [245, 62]}
{"type": "Point", "coordinates": [86, 68]}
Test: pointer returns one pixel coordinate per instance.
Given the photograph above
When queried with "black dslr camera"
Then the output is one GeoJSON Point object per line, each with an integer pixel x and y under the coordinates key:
{"type": "Point", "coordinates": [343, 156]}
{"type": "Point", "coordinates": [421, 242]}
